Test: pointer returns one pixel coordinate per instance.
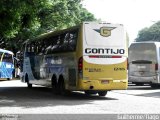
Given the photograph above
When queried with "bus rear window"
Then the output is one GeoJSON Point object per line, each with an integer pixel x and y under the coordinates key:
{"type": "Point", "coordinates": [104, 35]}
{"type": "Point", "coordinates": [142, 51]}
{"type": "Point", "coordinates": [7, 58]}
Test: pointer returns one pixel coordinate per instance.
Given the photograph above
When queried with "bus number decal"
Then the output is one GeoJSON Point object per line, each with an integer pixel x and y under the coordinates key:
{"type": "Point", "coordinates": [119, 69]}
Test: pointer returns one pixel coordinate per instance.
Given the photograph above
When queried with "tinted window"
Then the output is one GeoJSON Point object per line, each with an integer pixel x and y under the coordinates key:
{"type": "Point", "coordinates": [64, 42]}
{"type": "Point", "coordinates": [7, 58]}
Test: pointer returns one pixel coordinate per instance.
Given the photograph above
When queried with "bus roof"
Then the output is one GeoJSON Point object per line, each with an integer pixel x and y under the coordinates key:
{"type": "Point", "coordinates": [149, 42]}
{"type": "Point", "coordinates": [6, 51]}
{"type": "Point", "coordinates": [53, 33]}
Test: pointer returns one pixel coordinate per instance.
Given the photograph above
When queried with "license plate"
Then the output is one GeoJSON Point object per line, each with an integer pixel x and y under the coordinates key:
{"type": "Point", "coordinates": [142, 67]}
{"type": "Point", "coordinates": [105, 81]}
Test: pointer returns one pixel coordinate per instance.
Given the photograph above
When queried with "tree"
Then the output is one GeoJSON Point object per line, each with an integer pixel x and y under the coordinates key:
{"type": "Point", "coordinates": [149, 34]}
{"type": "Point", "coordinates": [18, 16]}
{"type": "Point", "coordinates": [25, 19]}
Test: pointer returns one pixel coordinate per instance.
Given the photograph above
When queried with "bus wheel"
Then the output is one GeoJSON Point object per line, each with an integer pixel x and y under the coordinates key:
{"type": "Point", "coordinates": [54, 85]}
{"type": "Point", "coordinates": [89, 92]}
{"type": "Point", "coordinates": [29, 85]}
{"type": "Point", "coordinates": [102, 93]}
{"type": "Point", "coordinates": [8, 79]}
{"type": "Point", "coordinates": [139, 84]}
{"type": "Point", "coordinates": [62, 87]}
{"type": "Point", "coordinates": [62, 90]}
{"type": "Point", "coordinates": [154, 86]}
{"type": "Point", "coordinates": [27, 80]}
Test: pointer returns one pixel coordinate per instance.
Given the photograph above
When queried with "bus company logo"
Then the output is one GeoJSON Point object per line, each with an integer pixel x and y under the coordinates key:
{"type": "Point", "coordinates": [105, 31]}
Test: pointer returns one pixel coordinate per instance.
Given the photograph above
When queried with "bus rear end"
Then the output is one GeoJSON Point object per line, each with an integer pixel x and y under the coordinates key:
{"type": "Point", "coordinates": [103, 64]}
{"type": "Point", "coordinates": [143, 63]}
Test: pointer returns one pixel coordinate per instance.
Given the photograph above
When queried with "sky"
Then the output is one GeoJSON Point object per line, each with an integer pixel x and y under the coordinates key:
{"type": "Point", "coordinates": [133, 14]}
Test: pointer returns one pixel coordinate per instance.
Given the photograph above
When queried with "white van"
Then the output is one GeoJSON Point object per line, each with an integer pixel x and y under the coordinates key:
{"type": "Point", "coordinates": [143, 63]}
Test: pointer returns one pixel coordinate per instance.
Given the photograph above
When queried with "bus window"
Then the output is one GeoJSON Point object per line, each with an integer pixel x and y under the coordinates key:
{"type": "Point", "coordinates": [1, 54]}
{"type": "Point", "coordinates": [7, 58]}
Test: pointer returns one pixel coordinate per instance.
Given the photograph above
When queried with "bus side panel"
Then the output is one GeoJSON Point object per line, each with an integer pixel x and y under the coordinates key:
{"type": "Point", "coordinates": [79, 53]}
{"type": "Point", "coordinates": [27, 69]}
{"type": "Point", "coordinates": [6, 70]}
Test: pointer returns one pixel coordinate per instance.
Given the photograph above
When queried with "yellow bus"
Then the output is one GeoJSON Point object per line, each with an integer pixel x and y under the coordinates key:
{"type": "Point", "coordinates": [91, 57]}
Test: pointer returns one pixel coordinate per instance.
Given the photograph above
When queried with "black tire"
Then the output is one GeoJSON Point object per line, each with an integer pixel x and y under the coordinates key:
{"type": "Point", "coordinates": [8, 79]}
{"type": "Point", "coordinates": [155, 86]}
{"type": "Point", "coordinates": [86, 92]}
{"type": "Point", "coordinates": [89, 92]}
{"type": "Point", "coordinates": [54, 85]}
{"type": "Point", "coordinates": [102, 93]}
{"type": "Point", "coordinates": [27, 81]}
{"type": "Point", "coordinates": [139, 84]}
{"type": "Point", "coordinates": [29, 85]}
{"type": "Point", "coordinates": [61, 87]}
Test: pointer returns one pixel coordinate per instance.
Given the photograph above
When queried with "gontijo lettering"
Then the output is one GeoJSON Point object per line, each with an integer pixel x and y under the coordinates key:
{"type": "Point", "coordinates": [104, 51]}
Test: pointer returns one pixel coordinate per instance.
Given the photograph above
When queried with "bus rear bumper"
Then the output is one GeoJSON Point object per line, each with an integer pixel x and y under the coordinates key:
{"type": "Point", "coordinates": [100, 85]}
{"type": "Point", "coordinates": [152, 79]}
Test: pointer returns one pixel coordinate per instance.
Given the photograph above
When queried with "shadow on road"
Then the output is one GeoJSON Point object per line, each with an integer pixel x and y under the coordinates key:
{"type": "Point", "coordinates": [139, 87]}
{"type": "Point", "coordinates": [145, 91]}
{"type": "Point", "coordinates": [42, 97]}
{"type": "Point", "coordinates": [154, 94]}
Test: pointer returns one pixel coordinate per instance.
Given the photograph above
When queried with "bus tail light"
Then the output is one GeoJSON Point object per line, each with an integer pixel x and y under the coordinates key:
{"type": "Point", "coordinates": [156, 66]}
{"type": "Point", "coordinates": [127, 64]}
{"type": "Point", "coordinates": [80, 65]}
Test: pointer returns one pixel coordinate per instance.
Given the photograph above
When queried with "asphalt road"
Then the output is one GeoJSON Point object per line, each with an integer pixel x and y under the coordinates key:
{"type": "Point", "coordinates": [16, 98]}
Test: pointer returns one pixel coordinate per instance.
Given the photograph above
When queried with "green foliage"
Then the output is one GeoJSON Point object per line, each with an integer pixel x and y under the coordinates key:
{"type": "Point", "coordinates": [25, 19]}
{"type": "Point", "coordinates": [149, 34]}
